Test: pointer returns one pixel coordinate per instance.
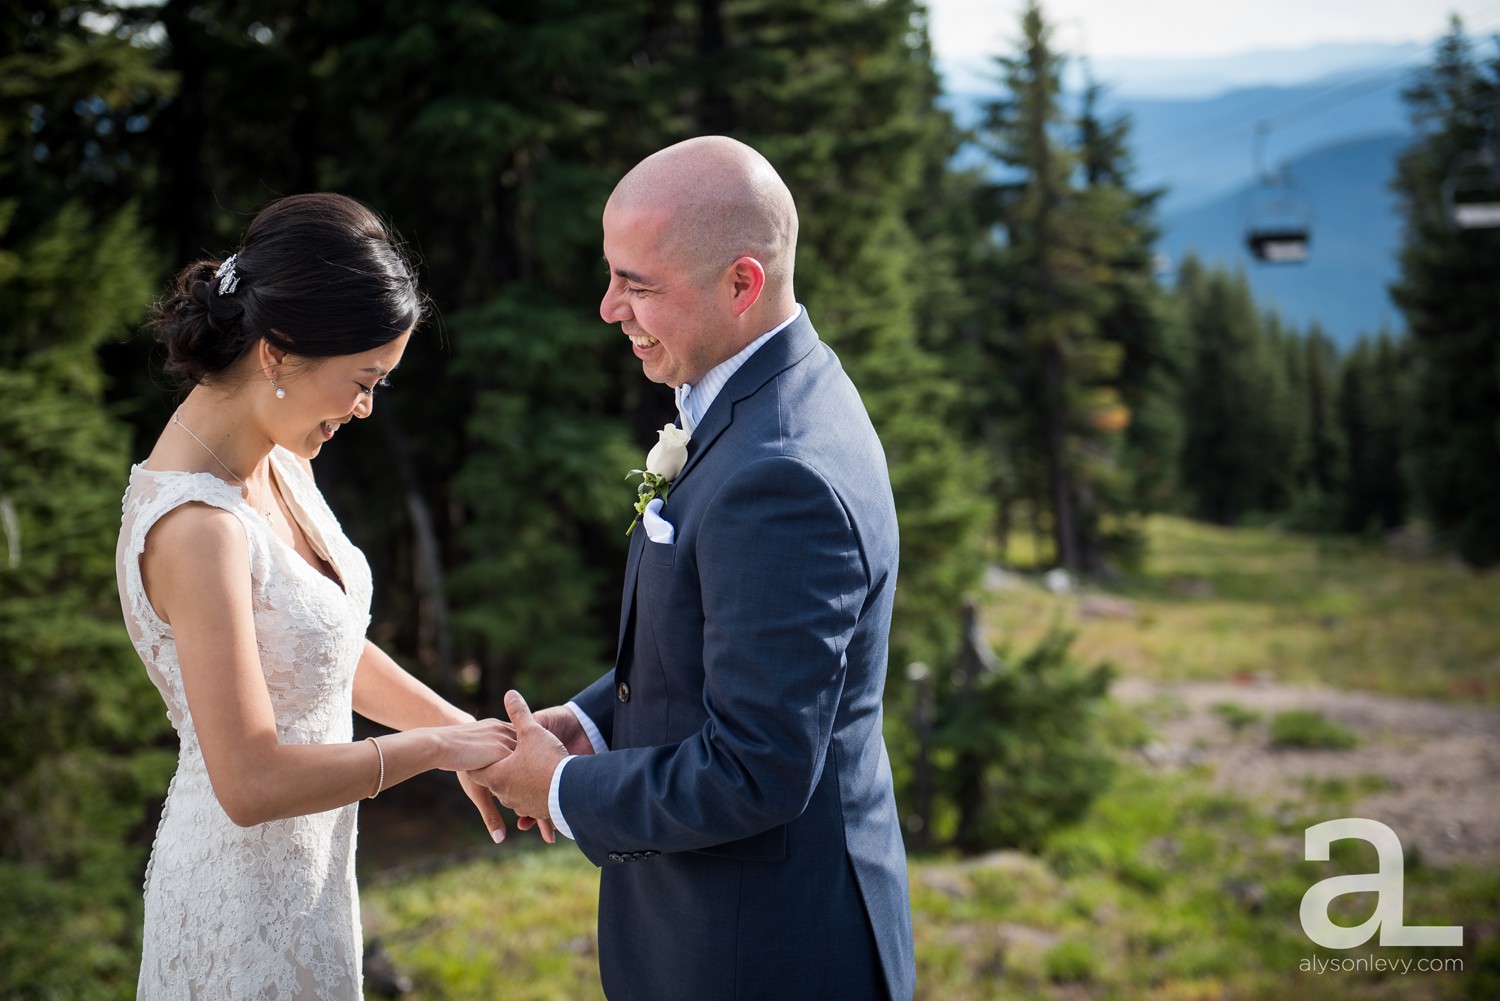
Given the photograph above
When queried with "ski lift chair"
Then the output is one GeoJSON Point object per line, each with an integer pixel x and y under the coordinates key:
{"type": "Point", "coordinates": [1278, 220]}
{"type": "Point", "coordinates": [1471, 191]}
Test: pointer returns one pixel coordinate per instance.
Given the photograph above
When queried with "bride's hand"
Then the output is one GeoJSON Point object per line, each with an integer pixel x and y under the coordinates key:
{"type": "Point", "coordinates": [489, 810]}
{"type": "Point", "coordinates": [477, 745]}
{"type": "Point", "coordinates": [467, 746]}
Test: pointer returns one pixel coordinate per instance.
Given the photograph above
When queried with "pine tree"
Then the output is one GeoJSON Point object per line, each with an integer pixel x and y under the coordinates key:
{"type": "Point", "coordinates": [1450, 297]}
{"type": "Point", "coordinates": [1140, 396]}
{"type": "Point", "coordinates": [1021, 728]}
{"type": "Point", "coordinates": [495, 170]}
{"type": "Point", "coordinates": [1049, 308]}
{"type": "Point", "coordinates": [1281, 458]}
{"type": "Point", "coordinates": [78, 716]}
{"type": "Point", "coordinates": [1158, 430]}
{"type": "Point", "coordinates": [863, 73]}
{"type": "Point", "coordinates": [1374, 403]}
{"type": "Point", "coordinates": [545, 479]}
{"type": "Point", "coordinates": [1320, 480]}
{"type": "Point", "coordinates": [506, 162]}
{"type": "Point", "coordinates": [1236, 401]}
{"type": "Point", "coordinates": [1076, 331]}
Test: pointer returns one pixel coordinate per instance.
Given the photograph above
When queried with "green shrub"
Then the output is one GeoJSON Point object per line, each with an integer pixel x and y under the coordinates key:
{"type": "Point", "coordinates": [1071, 962]}
{"type": "Point", "coordinates": [74, 937]}
{"type": "Point", "coordinates": [78, 715]}
{"type": "Point", "coordinates": [1237, 716]}
{"type": "Point", "coordinates": [1029, 754]}
{"type": "Point", "coordinates": [1309, 728]}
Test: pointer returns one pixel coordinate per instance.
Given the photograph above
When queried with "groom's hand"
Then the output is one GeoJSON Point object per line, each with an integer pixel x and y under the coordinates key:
{"type": "Point", "coordinates": [566, 728]}
{"type": "Point", "coordinates": [523, 780]}
{"type": "Point", "coordinates": [563, 725]}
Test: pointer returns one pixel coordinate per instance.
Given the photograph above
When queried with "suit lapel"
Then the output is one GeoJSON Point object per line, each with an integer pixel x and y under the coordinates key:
{"type": "Point", "coordinates": [773, 357]}
{"type": "Point", "coordinates": [627, 598]}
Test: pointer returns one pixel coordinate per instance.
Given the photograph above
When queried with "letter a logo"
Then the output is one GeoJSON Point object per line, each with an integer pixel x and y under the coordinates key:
{"type": "Point", "coordinates": [1388, 885]}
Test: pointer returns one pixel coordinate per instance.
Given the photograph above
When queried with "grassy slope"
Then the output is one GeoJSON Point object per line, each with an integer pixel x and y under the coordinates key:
{"type": "Point", "coordinates": [1213, 603]}
{"type": "Point", "coordinates": [1169, 890]}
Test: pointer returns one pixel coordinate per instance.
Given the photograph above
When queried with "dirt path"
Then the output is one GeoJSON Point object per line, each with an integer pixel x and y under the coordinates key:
{"type": "Point", "coordinates": [1438, 764]}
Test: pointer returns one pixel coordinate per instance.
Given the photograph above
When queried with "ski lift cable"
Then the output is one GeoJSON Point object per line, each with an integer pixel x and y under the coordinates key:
{"type": "Point", "coordinates": [1371, 80]}
{"type": "Point", "coordinates": [1243, 123]}
{"type": "Point", "coordinates": [1286, 117]}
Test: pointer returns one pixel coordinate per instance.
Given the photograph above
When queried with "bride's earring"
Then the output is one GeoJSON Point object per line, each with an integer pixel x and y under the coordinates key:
{"type": "Point", "coordinates": [280, 393]}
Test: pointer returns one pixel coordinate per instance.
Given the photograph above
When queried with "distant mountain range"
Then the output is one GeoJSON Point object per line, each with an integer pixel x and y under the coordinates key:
{"type": "Point", "coordinates": [1338, 135]}
{"type": "Point", "coordinates": [1210, 77]}
{"type": "Point", "coordinates": [1200, 148]}
{"type": "Point", "coordinates": [1182, 78]}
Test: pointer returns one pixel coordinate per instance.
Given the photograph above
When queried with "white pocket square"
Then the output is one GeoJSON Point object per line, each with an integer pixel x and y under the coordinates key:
{"type": "Point", "coordinates": [658, 529]}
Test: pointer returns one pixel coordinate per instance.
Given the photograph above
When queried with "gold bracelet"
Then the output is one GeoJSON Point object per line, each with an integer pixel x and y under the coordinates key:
{"type": "Point", "coordinates": [380, 783]}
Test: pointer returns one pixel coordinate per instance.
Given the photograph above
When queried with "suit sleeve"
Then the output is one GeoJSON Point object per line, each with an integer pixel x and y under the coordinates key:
{"type": "Point", "coordinates": [783, 582]}
{"type": "Point", "coordinates": [598, 700]}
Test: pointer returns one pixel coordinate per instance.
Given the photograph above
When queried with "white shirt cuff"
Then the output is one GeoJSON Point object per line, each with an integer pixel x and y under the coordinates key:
{"type": "Point", "coordinates": [554, 800]}
{"type": "Point", "coordinates": [595, 737]}
{"type": "Point", "coordinates": [554, 794]}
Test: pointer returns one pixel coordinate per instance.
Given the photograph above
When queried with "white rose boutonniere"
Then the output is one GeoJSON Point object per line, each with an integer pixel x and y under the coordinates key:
{"type": "Point", "coordinates": [663, 463]}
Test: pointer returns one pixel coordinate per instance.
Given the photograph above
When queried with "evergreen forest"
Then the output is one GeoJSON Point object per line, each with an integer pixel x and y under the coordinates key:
{"type": "Point", "coordinates": [1039, 387]}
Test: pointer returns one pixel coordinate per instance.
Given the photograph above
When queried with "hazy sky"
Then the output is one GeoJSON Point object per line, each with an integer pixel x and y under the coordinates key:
{"type": "Point", "coordinates": [1113, 29]}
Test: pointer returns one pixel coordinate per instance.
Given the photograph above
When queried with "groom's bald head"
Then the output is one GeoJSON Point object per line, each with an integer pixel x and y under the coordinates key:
{"type": "Point", "coordinates": [720, 201]}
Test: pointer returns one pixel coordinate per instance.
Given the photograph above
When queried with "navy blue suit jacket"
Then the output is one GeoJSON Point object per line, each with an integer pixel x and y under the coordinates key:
{"type": "Point", "coordinates": [744, 816]}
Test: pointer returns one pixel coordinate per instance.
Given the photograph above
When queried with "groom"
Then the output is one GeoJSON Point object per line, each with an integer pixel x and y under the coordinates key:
{"type": "Point", "coordinates": [729, 775]}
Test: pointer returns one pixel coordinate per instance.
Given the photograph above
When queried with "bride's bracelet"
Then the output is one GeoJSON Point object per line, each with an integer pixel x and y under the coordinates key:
{"type": "Point", "coordinates": [379, 783]}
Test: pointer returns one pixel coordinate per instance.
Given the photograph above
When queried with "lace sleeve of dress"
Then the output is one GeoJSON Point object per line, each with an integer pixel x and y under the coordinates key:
{"type": "Point", "coordinates": [150, 497]}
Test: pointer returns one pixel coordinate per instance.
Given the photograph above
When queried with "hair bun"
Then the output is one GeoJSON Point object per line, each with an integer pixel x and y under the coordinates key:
{"type": "Point", "coordinates": [316, 275]}
{"type": "Point", "coordinates": [199, 328]}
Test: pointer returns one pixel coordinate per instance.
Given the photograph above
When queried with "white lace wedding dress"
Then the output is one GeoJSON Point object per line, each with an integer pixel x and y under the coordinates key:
{"type": "Point", "coordinates": [269, 911]}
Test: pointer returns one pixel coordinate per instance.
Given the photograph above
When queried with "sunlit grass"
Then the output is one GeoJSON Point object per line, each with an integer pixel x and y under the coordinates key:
{"type": "Point", "coordinates": [1221, 604]}
{"type": "Point", "coordinates": [1179, 892]}
{"type": "Point", "coordinates": [1169, 890]}
{"type": "Point", "coordinates": [519, 927]}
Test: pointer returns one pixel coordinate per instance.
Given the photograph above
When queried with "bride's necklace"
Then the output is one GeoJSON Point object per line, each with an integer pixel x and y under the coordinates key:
{"type": "Point", "coordinates": [267, 514]}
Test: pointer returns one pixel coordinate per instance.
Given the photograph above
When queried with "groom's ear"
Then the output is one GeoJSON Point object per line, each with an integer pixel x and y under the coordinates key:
{"type": "Point", "coordinates": [748, 279]}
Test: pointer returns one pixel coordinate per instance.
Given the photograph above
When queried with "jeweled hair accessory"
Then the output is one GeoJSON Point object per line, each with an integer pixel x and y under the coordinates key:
{"type": "Point", "coordinates": [229, 279]}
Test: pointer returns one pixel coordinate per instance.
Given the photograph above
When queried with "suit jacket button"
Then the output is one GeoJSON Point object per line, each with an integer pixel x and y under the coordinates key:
{"type": "Point", "coordinates": [623, 691]}
{"type": "Point", "coordinates": [616, 857]}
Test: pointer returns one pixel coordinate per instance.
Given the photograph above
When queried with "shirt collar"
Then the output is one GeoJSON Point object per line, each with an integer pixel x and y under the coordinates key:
{"type": "Point", "coordinates": [694, 400]}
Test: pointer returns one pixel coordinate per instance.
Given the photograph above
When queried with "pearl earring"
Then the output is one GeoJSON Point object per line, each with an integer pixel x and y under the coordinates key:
{"type": "Point", "coordinates": [280, 393]}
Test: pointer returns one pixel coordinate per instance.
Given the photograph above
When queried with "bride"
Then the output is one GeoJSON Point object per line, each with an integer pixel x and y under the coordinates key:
{"type": "Point", "coordinates": [249, 606]}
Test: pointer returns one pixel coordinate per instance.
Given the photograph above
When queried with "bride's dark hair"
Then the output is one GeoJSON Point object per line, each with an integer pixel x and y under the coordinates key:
{"type": "Point", "coordinates": [318, 275]}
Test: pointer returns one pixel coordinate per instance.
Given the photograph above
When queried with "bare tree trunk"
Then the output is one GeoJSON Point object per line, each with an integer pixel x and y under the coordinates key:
{"type": "Point", "coordinates": [1039, 534]}
{"type": "Point", "coordinates": [974, 659]}
{"type": "Point", "coordinates": [182, 127]}
{"type": "Point", "coordinates": [434, 635]}
{"type": "Point", "coordinates": [1054, 405]}
{"type": "Point", "coordinates": [1064, 522]}
{"type": "Point", "coordinates": [923, 712]}
{"type": "Point", "coordinates": [715, 109]}
{"type": "Point", "coordinates": [498, 678]}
